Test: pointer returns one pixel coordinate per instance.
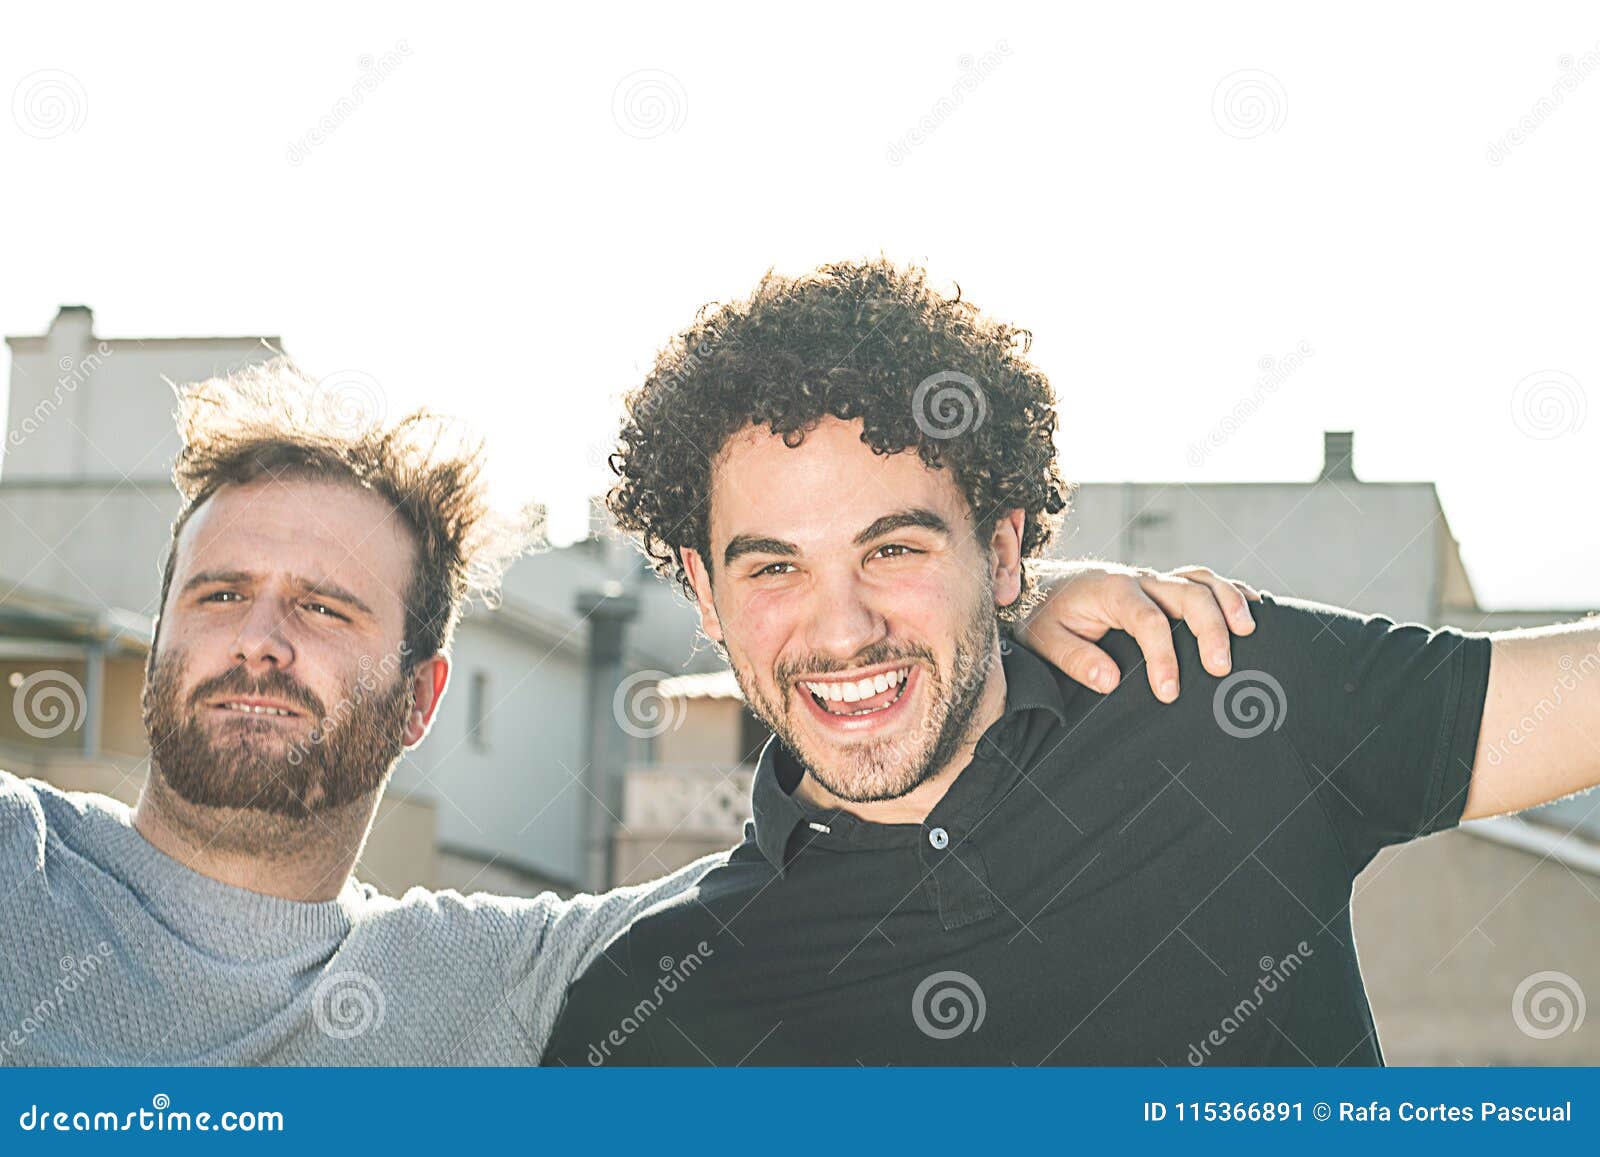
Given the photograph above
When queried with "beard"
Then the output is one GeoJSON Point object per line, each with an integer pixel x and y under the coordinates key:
{"type": "Point", "coordinates": [874, 770]}
{"type": "Point", "coordinates": [251, 763]}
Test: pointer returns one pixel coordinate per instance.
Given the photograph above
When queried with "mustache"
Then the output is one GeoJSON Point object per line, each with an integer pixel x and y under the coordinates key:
{"type": "Point", "coordinates": [275, 685]}
{"type": "Point", "coordinates": [789, 670]}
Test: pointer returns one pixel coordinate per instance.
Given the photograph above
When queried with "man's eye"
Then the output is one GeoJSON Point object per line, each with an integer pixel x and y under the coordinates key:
{"type": "Point", "coordinates": [221, 596]}
{"type": "Point", "coordinates": [323, 610]}
{"type": "Point", "coordinates": [773, 568]}
{"type": "Point", "coordinates": [895, 550]}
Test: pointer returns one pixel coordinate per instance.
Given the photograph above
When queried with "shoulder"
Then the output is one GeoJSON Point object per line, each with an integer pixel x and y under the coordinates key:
{"type": "Point", "coordinates": [32, 812]}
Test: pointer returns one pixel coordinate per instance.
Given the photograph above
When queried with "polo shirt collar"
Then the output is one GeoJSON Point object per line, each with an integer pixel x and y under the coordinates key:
{"type": "Point", "coordinates": [1031, 685]}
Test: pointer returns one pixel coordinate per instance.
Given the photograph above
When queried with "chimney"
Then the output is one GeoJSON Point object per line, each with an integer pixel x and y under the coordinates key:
{"type": "Point", "coordinates": [1337, 448]}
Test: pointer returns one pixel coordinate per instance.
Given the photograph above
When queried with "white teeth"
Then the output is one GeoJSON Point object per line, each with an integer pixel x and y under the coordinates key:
{"type": "Point", "coordinates": [880, 683]}
{"type": "Point", "coordinates": [250, 709]}
{"type": "Point", "coordinates": [894, 678]}
{"type": "Point", "coordinates": [852, 692]}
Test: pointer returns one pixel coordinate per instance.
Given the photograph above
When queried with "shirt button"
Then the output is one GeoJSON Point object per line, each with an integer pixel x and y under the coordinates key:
{"type": "Point", "coordinates": [939, 838]}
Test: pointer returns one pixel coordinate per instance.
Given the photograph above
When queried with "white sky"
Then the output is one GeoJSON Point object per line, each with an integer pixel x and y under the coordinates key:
{"type": "Point", "coordinates": [485, 233]}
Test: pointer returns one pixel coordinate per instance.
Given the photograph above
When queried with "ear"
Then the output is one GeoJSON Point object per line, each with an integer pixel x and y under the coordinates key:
{"type": "Point", "coordinates": [700, 579]}
{"type": "Point", "coordinates": [428, 682]}
{"type": "Point", "coordinates": [1005, 557]}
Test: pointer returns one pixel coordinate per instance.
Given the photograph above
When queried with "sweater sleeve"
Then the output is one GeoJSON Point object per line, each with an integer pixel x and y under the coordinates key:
{"type": "Point", "coordinates": [574, 935]}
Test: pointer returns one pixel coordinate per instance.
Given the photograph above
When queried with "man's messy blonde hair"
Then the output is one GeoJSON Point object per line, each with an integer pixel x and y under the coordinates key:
{"type": "Point", "coordinates": [270, 420]}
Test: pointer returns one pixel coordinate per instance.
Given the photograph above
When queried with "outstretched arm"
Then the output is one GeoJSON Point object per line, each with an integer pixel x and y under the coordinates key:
{"type": "Point", "coordinates": [1540, 735]}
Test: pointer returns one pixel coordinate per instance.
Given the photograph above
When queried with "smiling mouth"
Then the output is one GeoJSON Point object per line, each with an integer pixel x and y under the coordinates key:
{"type": "Point", "coordinates": [865, 696]}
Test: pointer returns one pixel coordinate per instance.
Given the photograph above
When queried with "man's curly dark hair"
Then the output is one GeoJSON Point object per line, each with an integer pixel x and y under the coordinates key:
{"type": "Point", "coordinates": [861, 341]}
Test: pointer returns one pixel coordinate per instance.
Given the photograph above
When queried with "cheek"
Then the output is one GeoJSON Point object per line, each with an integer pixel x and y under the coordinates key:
{"type": "Point", "coordinates": [759, 627]}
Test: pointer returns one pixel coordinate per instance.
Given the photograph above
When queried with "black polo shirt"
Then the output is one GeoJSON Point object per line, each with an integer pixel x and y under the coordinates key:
{"type": "Point", "coordinates": [1110, 881]}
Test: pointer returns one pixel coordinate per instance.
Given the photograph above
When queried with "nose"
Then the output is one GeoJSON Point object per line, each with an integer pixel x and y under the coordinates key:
{"type": "Point", "coordinates": [261, 642]}
{"type": "Point", "coordinates": [843, 619]}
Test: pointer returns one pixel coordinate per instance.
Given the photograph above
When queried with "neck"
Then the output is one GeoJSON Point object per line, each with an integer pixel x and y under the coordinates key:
{"type": "Point", "coordinates": [914, 806]}
{"type": "Point", "coordinates": [290, 858]}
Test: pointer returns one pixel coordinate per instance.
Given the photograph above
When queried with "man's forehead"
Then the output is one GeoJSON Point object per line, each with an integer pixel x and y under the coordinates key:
{"type": "Point", "coordinates": [831, 485]}
{"type": "Point", "coordinates": [306, 527]}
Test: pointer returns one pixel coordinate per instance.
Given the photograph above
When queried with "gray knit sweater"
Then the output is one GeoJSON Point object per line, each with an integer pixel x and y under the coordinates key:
{"type": "Point", "coordinates": [112, 953]}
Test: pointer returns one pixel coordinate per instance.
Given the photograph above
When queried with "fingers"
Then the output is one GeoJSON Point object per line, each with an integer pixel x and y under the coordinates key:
{"type": "Point", "coordinates": [1232, 596]}
{"type": "Point", "coordinates": [1195, 604]}
{"type": "Point", "coordinates": [1077, 656]}
{"type": "Point", "coordinates": [1142, 618]}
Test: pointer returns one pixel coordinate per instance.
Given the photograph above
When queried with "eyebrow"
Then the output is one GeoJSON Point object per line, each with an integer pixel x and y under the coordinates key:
{"type": "Point", "coordinates": [920, 517]}
{"type": "Point", "coordinates": [323, 588]}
